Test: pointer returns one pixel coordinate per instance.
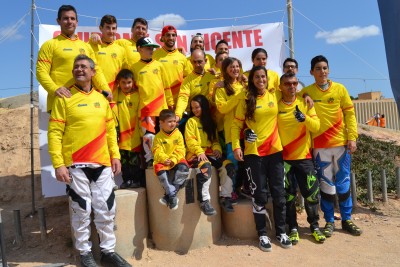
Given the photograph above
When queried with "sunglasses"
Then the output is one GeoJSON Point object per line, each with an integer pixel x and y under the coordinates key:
{"type": "Point", "coordinates": [291, 83]}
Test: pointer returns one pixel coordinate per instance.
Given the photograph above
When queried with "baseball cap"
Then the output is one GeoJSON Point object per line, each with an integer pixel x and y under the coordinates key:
{"type": "Point", "coordinates": [167, 29]}
{"type": "Point", "coordinates": [146, 41]}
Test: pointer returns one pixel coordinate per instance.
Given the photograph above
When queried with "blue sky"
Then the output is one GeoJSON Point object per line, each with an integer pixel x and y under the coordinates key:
{"type": "Point", "coordinates": [348, 33]}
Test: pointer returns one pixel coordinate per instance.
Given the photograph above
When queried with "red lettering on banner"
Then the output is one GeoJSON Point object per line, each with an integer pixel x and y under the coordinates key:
{"type": "Point", "coordinates": [237, 39]}
{"type": "Point", "coordinates": [56, 33]}
{"type": "Point", "coordinates": [117, 36]}
{"type": "Point", "coordinates": [248, 37]}
{"type": "Point", "coordinates": [181, 41]}
{"type": "Point", "coordinates": [258, 38]}
{"type": "Point", "coordinates": [215, 37]}
{"type": "Point", "coordinates": [226, 37]}
{"type": "Point", "coordinates": [157, 39]}
{"type": "Point", "coordinates": [206, 42]}
{"type": "Point", "coordinates": [126, 35]}
{"type": "Point", "coordinates": [84, 36]}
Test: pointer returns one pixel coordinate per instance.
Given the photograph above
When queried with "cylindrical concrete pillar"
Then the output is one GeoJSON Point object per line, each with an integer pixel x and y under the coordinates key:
{"type": "Point", "coordinates": [384, 186]}
{"type": "Point", "coordinates": [187, 227]}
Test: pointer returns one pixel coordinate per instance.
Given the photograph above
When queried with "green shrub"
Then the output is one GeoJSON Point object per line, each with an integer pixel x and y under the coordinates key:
{"type": "Point", "coordinates": [374, 155]}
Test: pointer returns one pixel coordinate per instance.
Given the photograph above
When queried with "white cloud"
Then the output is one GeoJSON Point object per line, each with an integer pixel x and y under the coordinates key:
{"type": "Point", "coordinates": [10, 33]}
{"type": "Point", "coordinates": [348, 34]}
{"type": "Point", "coordinates": [162, 20]}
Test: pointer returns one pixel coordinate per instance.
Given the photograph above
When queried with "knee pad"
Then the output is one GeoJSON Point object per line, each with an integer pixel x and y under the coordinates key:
{"type": "Point", "coordinates": [328, 197]}
{"type": "Point", "coordinates": [312, 189]}
{"type": "Point", "coordinates": [181, 174]}
{"type": "Point", "coordinates": [230, 168]}
{"type": "Point", "coordinates": [344, 196]}
{"type": "Point", "coordinates": [259, 209]}
{"type": "Point", "coordinates": [204, 170]}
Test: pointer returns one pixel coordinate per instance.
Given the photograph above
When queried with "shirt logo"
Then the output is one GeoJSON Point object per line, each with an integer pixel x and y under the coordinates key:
{"type": "Point", "coordinates": [175, 62]}
{"type": "Point", "coordinates": [130, 104]}
{"type": "Point", "coordinates": [96, 104]}
{"type": "Point", "coordinates": [102, 53]}
{"type": "Point", "coordinates": [271, 104]}
{"type": "Point", "coordinates": [114, 55]}
{"type": "Point", "coordinates": [82, 105]}
{"type": "Point", "coordinates": [176, 141]}
{"type": "Point", "coordinates": [81, 51]}
{"type": "Point", "coordinates": [143, 72]}
{"type": "Point", "coordinates": [155, 71]}
{"type": "Point", "coordinates": [67, 49]}
{"type": "Point", "coordinates": [258, 106]}
{"type": "Point", "coordinates": [163, 60]}
{"type": "Point", "coordinates": [282, 112]}
{"type": "Point", "coordinates": [331, 100]}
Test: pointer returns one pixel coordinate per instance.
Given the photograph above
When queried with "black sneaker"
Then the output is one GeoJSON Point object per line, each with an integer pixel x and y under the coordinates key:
{"type": "Point", "coordinates": [173, 202]}
{"type": "Point", "coordinates": [328, 229]}
{"type": "Point", "coordinates": [207, 209]}
{"type": "Point", "coordinates": [112, 259]}
{"type": "Point", "coordinates": [149, 164]}
{"type": "Point", "coordinates": [265, 243]}
{"type": "Point", "coordinates": [284, 240]}
{"type": "Point", "coordinates": [87, 260]}
{"type": "Point", "coordinates": [164, 200]}
{"type": "Point", "coordinates": [226, 204]}
{"type": "Point", "coordinates": [350, 227]}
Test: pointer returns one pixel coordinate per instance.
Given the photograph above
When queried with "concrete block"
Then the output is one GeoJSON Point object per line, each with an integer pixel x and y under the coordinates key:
{"type": "Point", "coordinates": [131, 224]}
{"type": "Point", "coordinates": [187, 227]}
{"type": "Point", "coordinates": [240, 223]}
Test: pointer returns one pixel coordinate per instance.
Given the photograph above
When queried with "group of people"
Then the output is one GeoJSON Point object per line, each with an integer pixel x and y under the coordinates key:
{"type": "Point", "coordinates": [378, 120]}
{"type": "Point", "coordinates": [130, 105]}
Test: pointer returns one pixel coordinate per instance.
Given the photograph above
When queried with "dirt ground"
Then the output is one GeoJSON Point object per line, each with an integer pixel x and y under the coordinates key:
{"type": "Point", "coordinates": [377, 246]}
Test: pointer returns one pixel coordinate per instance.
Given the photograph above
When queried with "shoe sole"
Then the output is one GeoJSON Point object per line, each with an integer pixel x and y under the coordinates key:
{"type": "Point", "coordinates": [265, 249]}
{"type": "Point", "coordinates": [162, 202]}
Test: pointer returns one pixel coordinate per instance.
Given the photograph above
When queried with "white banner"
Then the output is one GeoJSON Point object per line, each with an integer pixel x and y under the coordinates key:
{"type": "Point", "coordinates": [242, 41]}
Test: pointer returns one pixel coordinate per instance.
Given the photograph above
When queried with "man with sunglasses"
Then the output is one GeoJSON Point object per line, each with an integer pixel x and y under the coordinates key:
{"type": "Point", "coordinates": [295, 122]}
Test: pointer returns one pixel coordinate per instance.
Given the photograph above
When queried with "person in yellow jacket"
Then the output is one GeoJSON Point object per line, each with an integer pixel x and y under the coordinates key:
{"type": "Point", "coordinates": [126, 112]}
{"type": "Point", "coordinates": [84, 152]}
{"type": "Point", "coordinates": [56, 57]}
{"type": "Point", "coordinates": [170, 164]}
{"type": "Point", "coordinates": [333, 145]}
{"type": "Point", "coordinates": [296, 122]}
{"type": "Point", "coordinates": [262, 155]}
{"type": "Point", "coordinates": [203, 152]}
{"type": "Point", "coordinates": [259, 57]}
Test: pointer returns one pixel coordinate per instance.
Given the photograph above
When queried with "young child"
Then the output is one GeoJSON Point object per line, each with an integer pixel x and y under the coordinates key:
{"type": "Point", "coordinates": [204, 151]}
{"type": "Point", "coordinates": [169, 158]}
{"type": "Point", "coordinates": [129, 142]}
{"type": "Point", "coordinates": [151, 80]}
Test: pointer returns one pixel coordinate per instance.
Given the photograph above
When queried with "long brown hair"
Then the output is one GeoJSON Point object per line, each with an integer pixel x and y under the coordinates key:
{"type": "Point", "coordinates": [227, 79]}
{"type": "Point", "coordinates": [252, 93]}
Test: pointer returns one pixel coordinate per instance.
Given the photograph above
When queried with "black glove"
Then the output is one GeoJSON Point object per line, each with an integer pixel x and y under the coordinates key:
{"type": "Point", "coordinates": [250, 136]}
{"type": "Point", "coordinates": [300, 117]}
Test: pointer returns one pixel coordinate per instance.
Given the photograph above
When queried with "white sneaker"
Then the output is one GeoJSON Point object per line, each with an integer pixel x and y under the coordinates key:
{"type": "Point", "coordinates": [265, 243]}
{"type": "Point", "coordinates": [284, 240]}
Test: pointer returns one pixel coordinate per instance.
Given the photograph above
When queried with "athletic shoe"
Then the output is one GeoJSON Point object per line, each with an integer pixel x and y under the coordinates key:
{"type": "Point", "coordinates": [112, 259]}
{"type": "Point", "coordinates": [149, 164]}
{"type": "Point", "coordinates": [164, 200]}
{"type": "Point", "coordinates": [173, 202]}
{"type": "Point", "coordinates": [226, 204]}
{"type": "Point", "coordinates": [207, 209]}
{"type": "Point", "coordinates": [318, 235]}
{"type": "Point", "coordinates": [87, 260]}
{"type": "Point", "coordinates": [284, 240]}
{"type": "Point", "coordinates": [115, 187]}
{"type": "Point", "coordinates": [130, 184]}
{"type": "Point", "coordinates": [328, 229]}
{"type": "Point", "coordinates": [350, 227]}
{"type": "Point", "coordinates": [294, 236]}
{"type": "Point", "coordinates": [265, 243]}
{"type": "Point", "coordinates": [234, 198]}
